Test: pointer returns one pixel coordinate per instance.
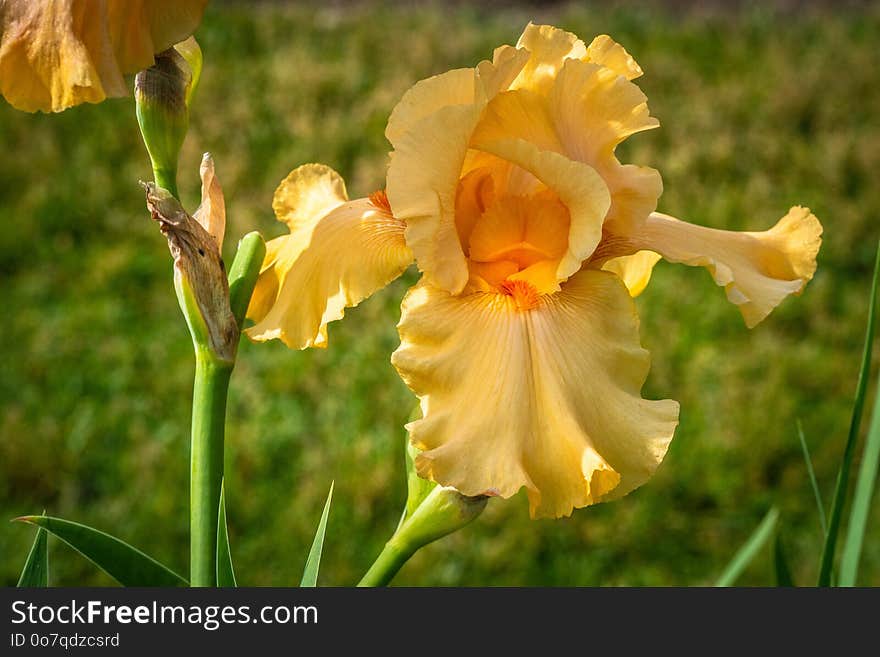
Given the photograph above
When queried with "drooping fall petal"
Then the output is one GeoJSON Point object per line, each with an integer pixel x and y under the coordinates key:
{"type": "Point", "coordinates": [59, 53]}
{"type": "Point", "coordinates": [337, 254]}
{"type": "Point", "coordinates": [756, 269]}
{"type": "Point", "coordinates": [547, 398]}
{"type": "Point", "coordinates": [140, 28]}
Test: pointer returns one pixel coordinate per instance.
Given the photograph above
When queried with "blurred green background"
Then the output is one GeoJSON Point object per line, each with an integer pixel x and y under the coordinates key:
{"type": "Point", "coordinates": [760, 109]}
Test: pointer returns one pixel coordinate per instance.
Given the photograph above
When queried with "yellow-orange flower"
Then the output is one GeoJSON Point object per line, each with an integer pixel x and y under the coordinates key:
{"type": "Point", "coordinates": [521, 339]}
{"type": "Point", "coordinates": [55, 54]}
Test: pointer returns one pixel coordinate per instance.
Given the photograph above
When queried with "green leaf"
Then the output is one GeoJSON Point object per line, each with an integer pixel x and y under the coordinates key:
{"type": "Point", "coordinates": [124, 563]}
{"type": "Point", "coordinates": [225, 572]}
{"type": "Point", "coordinates": [35, 573]}
{"type": "Point", "coordinates": [820, 505]}
{"type": "Point", "coordinates": [780, 561]}
{"type": "Point", "coordinates": [310, 574]}
{"type": "Point", "coordinates": [864, 491]}
{"type": "Point", "coordinates": [747, 552]}
{"type": "Point", "coordinates": [827, 562]}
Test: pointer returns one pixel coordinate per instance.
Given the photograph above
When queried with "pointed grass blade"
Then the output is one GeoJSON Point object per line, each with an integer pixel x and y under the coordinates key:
{"type": "Point", "coordinates": [225, 572]}
{"type": "Point", "coordinates": [820, 505]}
{"type": "Point", "coordinates": [124, 563]}
{"type": "Point", "coordinates": [310, 574]}
{"type": "Point", "coordinates": [780, 562]}
{"type": "Point", "coordinates": [826, 563]}
{"type": "Point", "coordinates": [747, 552]}
{"type": "Point", "coordinates": [861, 504]}
{"type": "Point", "coordinates": [35, 573]}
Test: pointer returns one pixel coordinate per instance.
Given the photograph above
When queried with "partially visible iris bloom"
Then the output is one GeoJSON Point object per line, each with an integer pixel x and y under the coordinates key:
{"type": "Point", "coordinates": [55, 54]}
{"type": "Point", "coordinates": [521, 339]}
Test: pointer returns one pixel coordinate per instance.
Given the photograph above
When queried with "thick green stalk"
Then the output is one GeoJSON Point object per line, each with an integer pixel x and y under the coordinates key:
{"type": "Point", "coordinates": [206, 476]}
{"type": "Point", "coordinates": [209, 411]}
{"type": "Point", "coordinates": [391, 560]}
{"type": "Point", "coordinates": [167, 179]}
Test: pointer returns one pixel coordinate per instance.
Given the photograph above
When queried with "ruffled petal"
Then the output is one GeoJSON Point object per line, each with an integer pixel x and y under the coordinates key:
{"type": "Point", "coordinates": [455, 87]}
{"type": "Point", "coordinates": [499, 74]}
{"type": "Point", "coordinates": [422, 184]}
{"type": "Point", "coordinates": [634, 270]}
{"type": "Point", "coordinates": [308, 193]}
{"type": "Point", "coordinates": [756, 269]}
{"type": "Point", "coordinates": [606, 52]}
{"type": "Point", "coordinates": [589, 111]}
{"type": "Point", "coordinates": [549, 48]}
{"type": "Point", "coordinates": [547, 398]}
{"type": "Point", "coordinates": [463, 86]}
{"type": "Point", "coordinates": [329, 262]}
{"type": "Point", "coordinates": [594, 109]}
{"type": "Point", "coordinates": [54, 55]}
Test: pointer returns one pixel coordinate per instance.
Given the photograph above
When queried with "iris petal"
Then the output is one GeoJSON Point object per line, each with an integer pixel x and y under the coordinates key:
{"type": "Point", "coordinates": [547, 399]}
{"type": "Point", "coordinates": [338, 253]}
{"type": "Point", "coordinates": [756, 269]}
{"type": "Point", "coordinates": [59, 53]}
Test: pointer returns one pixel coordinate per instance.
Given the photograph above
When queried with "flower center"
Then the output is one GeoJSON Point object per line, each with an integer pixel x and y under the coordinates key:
{"type": "Point", "coordinates": [525, 295]}
{"type": "Point", "coordinates": [512, 236]}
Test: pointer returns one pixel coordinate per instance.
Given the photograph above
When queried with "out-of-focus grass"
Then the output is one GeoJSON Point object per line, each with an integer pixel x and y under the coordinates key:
{"type": "Point", "coordinates": [760, 111]}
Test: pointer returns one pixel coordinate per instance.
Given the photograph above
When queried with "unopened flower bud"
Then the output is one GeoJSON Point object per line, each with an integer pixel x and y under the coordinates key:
{"type": "Point", "coordinates": [163, 115]}
{"type": "Point", "coordinates": [443, 511]}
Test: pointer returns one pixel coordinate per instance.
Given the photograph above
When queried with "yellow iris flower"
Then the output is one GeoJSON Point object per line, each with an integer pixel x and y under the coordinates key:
{"type": "Point", "coordinates": [521, 339]}
{"type": "Point", "coordinates": [55, 54]}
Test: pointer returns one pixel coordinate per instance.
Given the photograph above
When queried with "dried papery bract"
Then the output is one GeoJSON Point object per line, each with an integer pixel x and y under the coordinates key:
{"type": "Point", "coordinates": [199, 272]}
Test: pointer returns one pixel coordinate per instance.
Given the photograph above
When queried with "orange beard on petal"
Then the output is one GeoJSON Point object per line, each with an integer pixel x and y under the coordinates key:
{"type": "Point", "coordinates": [380, 199]}
{"type": "Point", "coordinates": [525, 295]}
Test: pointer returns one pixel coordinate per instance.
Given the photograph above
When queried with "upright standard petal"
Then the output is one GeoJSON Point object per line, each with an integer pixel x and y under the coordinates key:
{"type": "Point", "coordinates": [549, 48]}
{"type": "Point", "coordinates": [58, 53]}
{"type": "Point", "coordinates": [605, 51]}
{"type": "Point", "coordinates": [544, 394]}
{"type": "Point", "coordinates": [337, 254]}
{"type": "Point", "coordinates": [588, 111]}
{"type": "Point", "coordinates": [422, 184]}
{"type": "Point", "coordinates": [756, 269]}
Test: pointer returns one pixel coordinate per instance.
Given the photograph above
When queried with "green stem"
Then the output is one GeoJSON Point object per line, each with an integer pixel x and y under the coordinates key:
{"type": "Point", "coordinates": [208, 424]}
{"type": "Point", "coordinates": [210, 390]}
{"type": "Point", "coordinates": [167, 179]}
{"type": "Point", "coordinates": [391, 560]}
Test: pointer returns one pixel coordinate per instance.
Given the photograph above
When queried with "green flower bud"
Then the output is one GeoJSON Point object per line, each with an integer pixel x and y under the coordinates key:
{"type": "Point", "coordinates": [443, 511]}
{"type": "Point", "coordinates": [163, 115]}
